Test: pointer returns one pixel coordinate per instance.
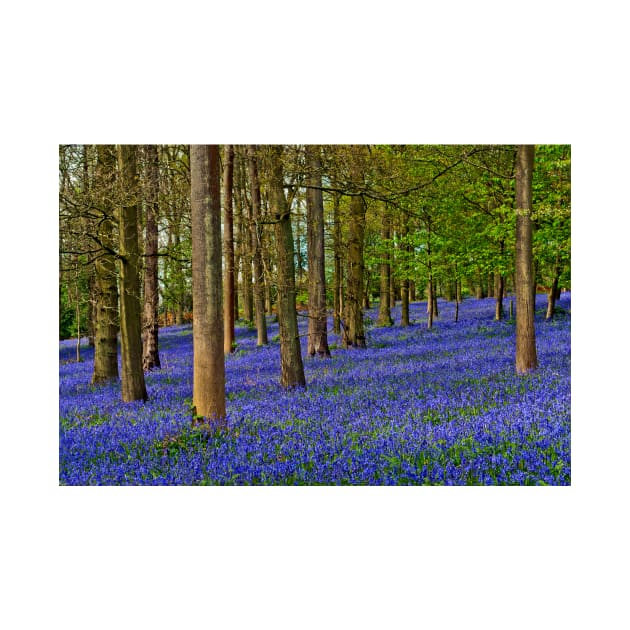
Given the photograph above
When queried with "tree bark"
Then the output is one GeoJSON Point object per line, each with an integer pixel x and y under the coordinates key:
{"type": "Point", "coordinates": [208, 350]}
{"type": "Point", "coordinates": [526, 359]}
{"type": "Point", "coordinates": [150, 351]}
{"type": "Point", "coordinates": [384, 312]}
{"type": "Point", "coordinates": [404, 283]}
{"type": "Point", "coordinates": [133, 385]}
{"type": "Point", "coordinates": [245, 253]}
{"type": "Point", "coordinates": [552, 295]}
{"type": "Point", "coordinates": [498, 293]}
{"type": "Point", "coordinates": [255, 233]}
{"type": "Point", "coordinates": [229, 338]}
{"type": "Point", "coordinates": [291, 366]}
{"type": "Point", "coordinates": [354, 332]}
{"type": "Point", "coordinates": [106, 289]}
{"type": "Point", "coordinates": [317, 317]}
{"type": "Point", "coordinates": [337, 279]}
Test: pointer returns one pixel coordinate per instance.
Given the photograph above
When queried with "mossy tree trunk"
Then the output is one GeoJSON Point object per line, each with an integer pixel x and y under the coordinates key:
{"type": "Point", "coordinates": [317, 319]}
{"type": "Point", "coordinates": [133, 385]}
{"type": "Point", "coordinates": [105, 283]}
{"type": "Point", "coordinates": [291, 366]}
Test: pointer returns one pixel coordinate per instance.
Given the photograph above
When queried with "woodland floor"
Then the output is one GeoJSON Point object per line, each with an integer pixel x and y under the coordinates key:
{"type": "Point", "coordinates": [417, 406]}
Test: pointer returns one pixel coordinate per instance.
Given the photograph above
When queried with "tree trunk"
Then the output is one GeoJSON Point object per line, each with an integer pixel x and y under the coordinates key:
{"type": "Point", "coordinates": [291, 366]}
{"type": "Point", "coordinates": [229, 344]}
{"type": "Point", "coordinates": [337, 280]}
{"type": "Point", "coordinates": [404, 283]}
{"type": "Point", "coordinates": [526, 359]}
{"type": "Point", "coordinates": [317, 317]}
{"type": "Point", "coordinates": [255, 234]}
{"type": "Point", "coordinates": [208, 350]}
{"type": "Point", "coordinates": [498, 292]}
{"type": "Point", "coordinates": [384, 313]}
{"type": "Point", "coordinates": [106, 289]}
{"type": "Point", "coordinates": [354, 333]}
{"type": "Point", "coordinates": [150, 353]}
{"type": "Point", "coordinates": [246, 260]}
{"type": "Point", "coordinates": [133, 385]}
{"type": "Point", "coordinates": [552, 295]}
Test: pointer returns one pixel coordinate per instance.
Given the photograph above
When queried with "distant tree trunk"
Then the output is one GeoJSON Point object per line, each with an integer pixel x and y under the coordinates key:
{"type": "Point", "coordinates": [552, 294]}
{"type": "Point", "coordinates": [412, 291]}
{"type": "Point", "coordinates": [228, 252]}
{"type": "Point", "coordinates": [337, 280]}
{"type": "Point", "coordinates": [291, 366]}
{"type": "Point", "coordinates": [208, 350]}
{"type": "Point", "coordinates": [498, 292]}
{"type": "Point", "coordinates": [479, 288]}
{"type": "Point", "coordinates": [259, 275]}
{"type": "Point", "coordinates": [534, 280]}
{"type": "Point", "coordinates": [404, 283]}
{"type": "Point", "coordinates": [317, 318]}
{"type": "Point", "coordinates": [354, 333]}
{"type": "Point", "coordinates": [150, 352]}
{"type": "Point", "coordinates": [133, 385]}
{"type": "Point", "coordinates": [179, 282]}
{"type": "Point", "coordinates": [431, 301]}
{"type": "Point", "coordinates": [490, 279]}
{"type": "Point", "coordinates": [392, 291]}
{"type": "Point", "coordinates": [384, 313]}
{"type": "Point", "coordinates": [526, 359]}
{"type": "Point", "coordinates": [245, 256]}
{"type": "Point", "coordinates": [106, 289]}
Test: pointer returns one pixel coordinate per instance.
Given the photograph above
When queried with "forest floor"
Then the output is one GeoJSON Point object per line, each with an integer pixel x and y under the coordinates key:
{"type": "Point", "coordinates": [417, 406]}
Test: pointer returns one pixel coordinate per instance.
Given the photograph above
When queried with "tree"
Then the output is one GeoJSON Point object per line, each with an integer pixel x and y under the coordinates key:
{"type": "Point", "coordinates": [255, 234]}
{"type": "Point", "coordinates": [384, 313]}
{"type": "Point", "coordinates": [228, 252]}
{"type": "Point", "coordinates": [354, 332]}
{"type": "Point", "coordinates": [317, 318]}
{"type": "Point", "coordinates": [106, 289]}
{"type": "Point", "coordinates": [133, 385]}
{"type": "Point", "coordinates": [526, 359]}
{"type": "Point", "coordinates": [150, 351]}
{"type": "Point", "coordinates": [208, 350]}
{"type": "Point", "coordinates": [291, 366]}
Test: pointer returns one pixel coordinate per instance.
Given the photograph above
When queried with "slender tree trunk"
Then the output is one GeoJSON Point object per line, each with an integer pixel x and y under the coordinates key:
{"type": "Point", "coordinates": [479, 288]}
{"type": "Point", "coordinates": [354, 333]}
{"type": "Point", "coordinates": [337, 280]}
{"type": "Point", "coordinates": [229, 344]}
{"type": "Point", "coordinates": [431, 302]}
{"type": "Point", "coordinates": [255, 234]}
{"type": "Point", "coordinates": [291, 366]}
{"type": "Point", "coordinates": [179, 281]}
{"type": "Point", "coordinates": [151, 356]}
{"type": "Point", "coordinates": [552, 294]}
{"type": "Point", "coordinates": [106, 289]}
{"type": "Point", "coordinates": [526, 359]}
{"type": "Point", "coordinates": [208, 350]}
{"type": "Point", "coordinates": [317, 318]}
{"type": "Point", "coordinates": [458, 294]}
{"type": "Point", "coordinates": [133, 385]}
{"type": "Point", "coordinates": [498, 292]}
{"type": "Point", "coordinates": [245, 255]}
{"type": "Point", "coordinates": [404, 283]}
{"type": "Point", "coordinates": [384, 313]}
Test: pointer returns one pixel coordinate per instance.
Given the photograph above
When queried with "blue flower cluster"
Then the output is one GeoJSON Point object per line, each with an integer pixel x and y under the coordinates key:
{"type": "Point", "coordinates": [435, 407]}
